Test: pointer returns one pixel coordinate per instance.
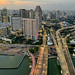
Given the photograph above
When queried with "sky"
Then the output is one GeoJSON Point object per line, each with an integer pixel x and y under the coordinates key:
{"type": "Point", "coordinates": [45, 4]}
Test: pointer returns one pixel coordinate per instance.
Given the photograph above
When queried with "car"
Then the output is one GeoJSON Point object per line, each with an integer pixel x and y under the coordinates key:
{"type": "Point", "coordinates": [72, 41]}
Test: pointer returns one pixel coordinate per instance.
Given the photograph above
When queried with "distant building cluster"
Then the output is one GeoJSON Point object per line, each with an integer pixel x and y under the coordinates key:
{"type": "Point", "coordinates": [29, 22]}
{"type": "Point", "coordinates": [58, 15]}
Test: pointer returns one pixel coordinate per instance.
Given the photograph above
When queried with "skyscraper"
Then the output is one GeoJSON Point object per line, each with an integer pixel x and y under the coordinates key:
{"type": "Point", "coordinates": [3, 31]}
{"type": "Point", "coordinates": [22, 13]}
{"type": "Point", "coordinates": [16, 23]}
{"type": "Point", "coordinates": [31, 14]}
{"type": "Point", "coordinates": [38, 17]}
{"type": "Point", "coordinates": [29, 28]}
{"type": "Point", "coordinates": [4, 15]}
{"type": "Point", "coordinates": [0, 16]}
{"type": "Point", "coordinates": [32, 23]}
{"type": "Point", "coordinates": [57, 15]}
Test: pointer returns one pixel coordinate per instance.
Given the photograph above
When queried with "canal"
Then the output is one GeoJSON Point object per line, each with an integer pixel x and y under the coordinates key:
{"type": "Point", "coordinates": [14, 65]}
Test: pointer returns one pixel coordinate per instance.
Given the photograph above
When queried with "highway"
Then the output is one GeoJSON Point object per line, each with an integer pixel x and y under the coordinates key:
{"type": "Point", "coordinates": [61, 56]}
{"type": "Point", "coordinates": [42, 62]}
{"type": "Point", "coordinates": [63, 52]}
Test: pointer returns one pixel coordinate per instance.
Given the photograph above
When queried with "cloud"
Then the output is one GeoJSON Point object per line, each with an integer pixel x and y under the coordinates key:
{"type": "Point", "coordinates": [45, 4]}
{"type": "Point", "coordinates": [31, 0]}
{"type": "Point", "coordinates": [11, 2]}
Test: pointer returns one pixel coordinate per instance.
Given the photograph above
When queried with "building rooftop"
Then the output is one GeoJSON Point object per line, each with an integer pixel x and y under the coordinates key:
{"type": "Point", "coordinates": [38, 9]}
{"type": "Point", "coordinates": [4, 24]}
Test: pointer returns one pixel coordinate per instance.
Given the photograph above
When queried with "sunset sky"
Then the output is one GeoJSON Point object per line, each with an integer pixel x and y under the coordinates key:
{"type": "Point", "coordinates": [45, 4]}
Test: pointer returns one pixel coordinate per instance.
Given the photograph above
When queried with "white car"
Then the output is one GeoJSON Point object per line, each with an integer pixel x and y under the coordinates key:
{"type": "Point", "coordinates": [49, 43]}
{"type": "Point", "coordinates": [72, 41]}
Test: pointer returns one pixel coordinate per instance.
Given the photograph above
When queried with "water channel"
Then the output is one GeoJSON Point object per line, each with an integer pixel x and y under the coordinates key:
{"type": "Point", "coordinates": [13, 65]}
{"type": "Point", "coordinates": [19, 65]}
{"type": "Point", "coordinates": [54, 68]}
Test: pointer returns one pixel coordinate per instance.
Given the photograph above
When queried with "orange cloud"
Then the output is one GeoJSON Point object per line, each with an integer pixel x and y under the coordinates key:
{"type": "Point", "coordinates": [6, 2]}
{"type": "Point", "coordinates": [3, 2]}
{"type": "Point", "coordinates": [23, 2]}
{"type": "Point", "coordinates": [17, 4]}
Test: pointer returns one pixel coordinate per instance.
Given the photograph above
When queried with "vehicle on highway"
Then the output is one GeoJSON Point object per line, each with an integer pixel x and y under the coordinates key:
{"type": "Point", "coordinates": [72, 41]}
{"type": "Point", "coordinates": [49, 43]}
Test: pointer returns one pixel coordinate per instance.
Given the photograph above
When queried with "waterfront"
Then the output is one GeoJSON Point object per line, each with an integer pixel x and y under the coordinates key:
{"type": "Point", "coordinates": [23, 69]}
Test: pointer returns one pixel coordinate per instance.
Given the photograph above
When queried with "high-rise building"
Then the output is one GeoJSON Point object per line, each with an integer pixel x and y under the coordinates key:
{"type": "Point", "coordinates": [57, 15]}
{"type": "Point", "coordinates": [38, 17]}
{"type": "Point", "coordinates": [15, 13]}
{"type": "Point", "coordinates": [4, 15]}
{"type": "Point", "coordinates": [16, 23]}
{"type": "Point", "coordinates": [29, 28]}
{"type": "Point", "coordinates": [49, 15]}
{"type": "Point", "coordinates": [3, 31]}
{"type": "Point", "coordinates": [27, 14]}
{"type": "Point", "coordinates": [44, 17]}
{"type": "Point", "coordinates": [0, 16]}
{"type": "Point", "coordinates": [22, 13]}
{"type": "Point", "coordinates": [31, 14]}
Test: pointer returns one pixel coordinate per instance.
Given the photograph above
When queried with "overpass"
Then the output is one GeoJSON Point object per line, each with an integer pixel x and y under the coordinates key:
{"type": "Point", "coordinates": [63, 52]}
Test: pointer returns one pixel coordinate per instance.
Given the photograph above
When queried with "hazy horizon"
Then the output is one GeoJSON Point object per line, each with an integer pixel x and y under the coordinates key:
{"type": "Point", "coordinates": [45, 4]}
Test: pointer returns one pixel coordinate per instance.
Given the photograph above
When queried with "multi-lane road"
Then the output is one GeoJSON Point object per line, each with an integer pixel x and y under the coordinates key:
{"type": "Point", "coordinates": [63, 52]}
{"type": "Point", "coordinates": [42, 62]}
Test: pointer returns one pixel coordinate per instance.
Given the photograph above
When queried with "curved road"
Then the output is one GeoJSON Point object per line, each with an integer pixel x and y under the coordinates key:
{"type": "Point", "coordinates": [33, 64]}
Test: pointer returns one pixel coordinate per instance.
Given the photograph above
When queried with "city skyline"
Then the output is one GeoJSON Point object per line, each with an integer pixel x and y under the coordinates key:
{"type": "Point", "coordinates": [45, 4]}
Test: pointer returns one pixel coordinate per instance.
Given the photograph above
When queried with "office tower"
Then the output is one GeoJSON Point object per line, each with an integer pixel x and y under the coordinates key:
{"type": "Point", "coordinates": [16, 23]}
{"type": "Point", "coordinates": [22, 13]}
{"type": "Point", "coordinates": [0, 16]}
{"type": "Point", "coordinates": [4, 15]}
{"type": "Point", "coordinates": [15, 13]}
{"type": "Point", "coordinates": [27, 14]}
{"type": "Point", "coordinates": [49, 15]}
{"type": "Point", "coordinates": [57, 15]}
{"type": "Point", "coordinates": [31, 14]}
{"type": "Point", "coordinates": [29, 28]}
{"type": "Point", "coordinates": [44, 17]}
{"type": "Point", "coordinates": [3, 31]}
{"type": "Point", "coordinates": [38, 17]}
